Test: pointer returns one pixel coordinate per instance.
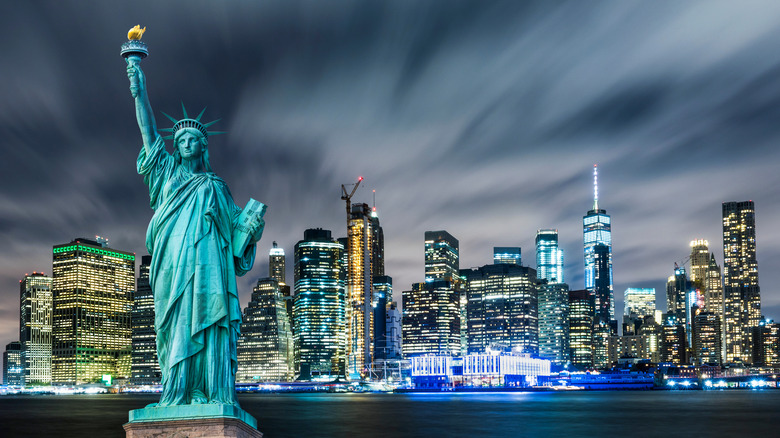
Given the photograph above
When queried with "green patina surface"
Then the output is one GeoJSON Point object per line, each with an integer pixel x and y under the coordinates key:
{"type": "Point", "coordinates": [185, 412]}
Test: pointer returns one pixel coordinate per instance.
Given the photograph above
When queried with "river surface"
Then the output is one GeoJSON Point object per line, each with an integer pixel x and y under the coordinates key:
{"type": "Point", "coordinates": [625, 414]}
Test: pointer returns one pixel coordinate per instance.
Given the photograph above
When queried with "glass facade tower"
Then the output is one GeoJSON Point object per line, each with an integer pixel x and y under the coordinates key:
{"type": "Point", "coordinates": [319, 305]}
{"type": "Point", "coordinates": [597, 231]}
{"type": "Point", "coordinates": [441, 256]}
{"type": "Point", "coordinates": [92, 295]}
{"type": "Point", "coordinates": [554, 322]}
{"type": "Point", "coordinates": [35, 328]}
{"type": "Point", "coordinates": [502, 309]}
{"type": "Point", "coordinates": [360, 294]}
{"type": "Point", "coordinates": [549, 257]}
{"type": "Point", "coordinates": [265, 348]}
{"type": "Point", "coordinates": [144, 367]}
{"type": "Point", "coordinates": [742, 296]}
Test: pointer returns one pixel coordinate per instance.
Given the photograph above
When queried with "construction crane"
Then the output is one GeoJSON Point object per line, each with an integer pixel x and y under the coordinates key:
{"type": "Point", "coordinates": [348, 197]}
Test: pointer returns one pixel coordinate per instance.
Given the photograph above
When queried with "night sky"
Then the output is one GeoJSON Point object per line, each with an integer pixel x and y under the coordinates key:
{"type": "Point", "coordinates": [483, 119]}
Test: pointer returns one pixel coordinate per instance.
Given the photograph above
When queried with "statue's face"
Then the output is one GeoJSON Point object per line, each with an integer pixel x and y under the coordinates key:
{"type": "Point", "coordinates": [190, 146]}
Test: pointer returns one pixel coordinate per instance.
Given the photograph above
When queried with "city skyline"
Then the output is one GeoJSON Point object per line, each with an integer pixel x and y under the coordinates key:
{"type": "Point", "coordinates": [482, 121]}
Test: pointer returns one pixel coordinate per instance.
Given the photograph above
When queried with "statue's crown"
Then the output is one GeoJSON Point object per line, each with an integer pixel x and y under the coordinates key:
{"type": "Point", "coordinates": [187, 122]}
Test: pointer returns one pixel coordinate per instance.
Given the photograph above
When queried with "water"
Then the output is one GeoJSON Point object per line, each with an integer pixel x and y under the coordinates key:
{"type": "Point", "coordinates": [571, 414]}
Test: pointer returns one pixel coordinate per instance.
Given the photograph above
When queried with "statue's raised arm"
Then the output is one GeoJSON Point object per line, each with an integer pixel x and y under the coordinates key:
{"type": "Point", "coordinates": [143, 109]}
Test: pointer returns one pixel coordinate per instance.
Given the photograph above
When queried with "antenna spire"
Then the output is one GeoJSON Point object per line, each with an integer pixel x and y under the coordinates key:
{"type": "Point", "coordinates": [596, 187]}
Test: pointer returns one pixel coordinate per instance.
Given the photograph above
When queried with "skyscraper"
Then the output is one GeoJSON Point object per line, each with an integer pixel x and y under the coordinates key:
{"type": "Point", "coordinates": [706, 339]}
{"type": "Point", "coordinates": [700, 262]}
{"type": "Point", "coordinates": [597, 230]}
{"type": "Point", "coordinates": [277, 264]}
{"type": "Point", "coordinates": [319, 305]}
{"type": "Point", "coordinates": [549, 257]}
{"type": "Point", "coordinates": [13, 368]}
{"type": "Point", "coordinates": [377, 245]}
{"type": "Point", "coordinates": [441, 256]}
{"type": "Point", "coordinates": [35, 328]}
{"type": "Point", "coordinates": [265, 347]}
{"type": "Point", "coordinates": [677, 288]}
{"type": "Point", "coordinates": [674, 345]}
{"type": "Point", "coordinates": [706, 278]}
{"type": "Point", "coordinates": [360, 296]}
{"type": "Point", "coordinates": [581, 311]}
{"type": "Point", "coordinates": [554, 322]}
{"type": "Point", "coordinates": [383, 294]}
{"type": "Point", "coordinates": [766, 344]}
{"type": "Point", "coordinates": [511, 255]}
{"type": "Point", "coordinates": [639, 301]}
{"type": "Point", "coordinates": [92, 297]}
{"type": "Point", "coordinates": [145, 368]}
{"type": "Point", "coordinates": [713, 299]}
{"type": "Point", "coordinates": [502, 308]}
{"type": "Point", "coordinates": [741, 292]}
{"type": "Point", "coordinates": [431, 319]}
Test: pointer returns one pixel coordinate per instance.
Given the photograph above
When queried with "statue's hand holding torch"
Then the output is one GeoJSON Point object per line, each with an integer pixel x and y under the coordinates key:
{"type": "Point", "coordinates": [134, 51]}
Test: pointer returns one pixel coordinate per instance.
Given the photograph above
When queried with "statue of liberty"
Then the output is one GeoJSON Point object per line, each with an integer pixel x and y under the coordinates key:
{"type": "Point", "coordinates": [195, 256]}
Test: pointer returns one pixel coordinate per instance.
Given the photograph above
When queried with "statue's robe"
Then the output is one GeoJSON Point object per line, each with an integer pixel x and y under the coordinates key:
{"type": "Point", "coordinates": [193, 278]}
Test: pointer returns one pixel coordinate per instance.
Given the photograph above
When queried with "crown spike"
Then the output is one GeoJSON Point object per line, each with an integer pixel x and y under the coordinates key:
{"type": "Point", "coordinates": [206, 125]}
{"type": "Point", "coordinates": [217, 132]}
{"type": "Point", "coordinates": [201, 114]}
{"type": "Point", "coordinates": [169, 117]}
{"type": "Point", "coordinates": [184, 111]}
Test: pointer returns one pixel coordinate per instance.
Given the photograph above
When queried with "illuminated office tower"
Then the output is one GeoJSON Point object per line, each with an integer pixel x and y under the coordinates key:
{"type": "Point", "coordinates": [144, 367]}
{"type": "Point", "coordinates": [277, 269]}
{"type": "Point", "coordinates": [13, 368]}
{"type": "Point", "coordinates": [639, 303]}
{"type": "Point", "coordinates": [713, 298]}
{"type": "Point", "coordinates": [360, 297]}
{"type": "Point", "coordinates": [276, 264]}
{"type": "Point", "coordinates": [706, 338]}
{"type": "Point", "coordinates": [431, 319]}
{"type": "Point", "coordinates": [742, 296]}
{"type": "Point", "coordinates": [581, 311]}
{"type": "Point", "coordinates": [673, 342]}
{"type": "Point", "coordinates": [700, 262]}
{"type": "Point", "coordinates": [265, 347]}
{"type": "Point", "coordinates": [441, 256]}
{"type": "Point", "coordinates": [677, 287]}
{"type": "Point", "coordinates": [549, 257]}
{"type": "Point", "coordinates": [394, 331]}
{"type": "Point", "coordinates": [92, 295]}
{"type": "Point", "coordinates": [766, 344]}
{"type": "Point", "coordinates": [597, 231]}
{"type": "Point", "coordinates": [502, 309]}
{"type": "Point", "coordinates": [35, 328]}
{"type": "Point", "coordinates": [554, 322]}
{"type": "Point", "coordinates": [383, 294]}
{"type": "Point", "coordinates": [604, 325]}
{"type": "Point", "coordinates": [377, 245]}
{"type": "Point", "coordinates": [507, 255]}
{"type": "Point", "coordinates": [319, 305]}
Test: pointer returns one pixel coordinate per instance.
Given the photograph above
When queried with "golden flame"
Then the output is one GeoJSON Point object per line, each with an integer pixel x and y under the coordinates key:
{"type": "Point", "coordinates": [136, 33]}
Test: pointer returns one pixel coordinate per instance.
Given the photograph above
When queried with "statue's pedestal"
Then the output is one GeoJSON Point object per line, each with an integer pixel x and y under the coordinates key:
{"type": "Point", "coordinates": [192, 421]}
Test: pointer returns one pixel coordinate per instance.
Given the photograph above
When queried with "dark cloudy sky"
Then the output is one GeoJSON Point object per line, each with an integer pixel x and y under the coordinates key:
{"type": "Point", "coordinates": [481, 118]}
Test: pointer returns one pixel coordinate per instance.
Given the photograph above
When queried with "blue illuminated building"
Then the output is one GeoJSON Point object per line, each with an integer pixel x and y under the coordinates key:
{"type": "Point", "coordinates": [507, 255]}
{"type": "Point", "coordinates": [319, 306]}
{"type": "Point", "coordinates": [549, 257]}
{"type": "Point", "coordinates": [597, 231]}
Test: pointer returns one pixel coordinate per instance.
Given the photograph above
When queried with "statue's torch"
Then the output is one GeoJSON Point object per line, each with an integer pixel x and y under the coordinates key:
{"type": "Point", "coordinates": [133, 50]}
